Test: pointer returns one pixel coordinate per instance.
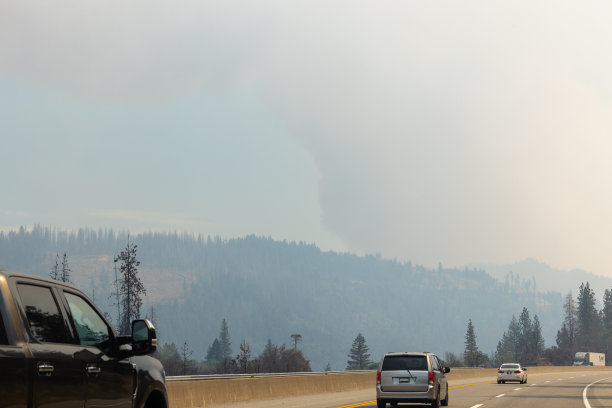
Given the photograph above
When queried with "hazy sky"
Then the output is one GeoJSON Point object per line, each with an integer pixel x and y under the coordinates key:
{"type": "Point", "coordinates": [446, 131]}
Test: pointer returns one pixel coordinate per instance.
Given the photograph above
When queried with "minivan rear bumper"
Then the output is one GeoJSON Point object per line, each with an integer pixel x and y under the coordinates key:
{"type": "Point", "coordinates": [406, 396]}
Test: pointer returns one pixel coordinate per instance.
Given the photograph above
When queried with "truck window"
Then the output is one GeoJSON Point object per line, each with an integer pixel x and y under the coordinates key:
{"type": "Point", "coordinates": [44, 318]}
{"type": "Point", "coordinates": [90, 327]}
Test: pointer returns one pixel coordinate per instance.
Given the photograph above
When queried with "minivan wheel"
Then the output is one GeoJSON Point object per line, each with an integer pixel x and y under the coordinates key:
{"type": "Point", "coordinates": [436, 402]}
{"type": "Point", "coordinates": [380, 403]}
{"type": "Point", "coordinates": [444, 402]}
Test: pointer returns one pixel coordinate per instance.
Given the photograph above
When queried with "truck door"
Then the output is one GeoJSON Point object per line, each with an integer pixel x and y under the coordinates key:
{"type": "Point", "coordinates": [13, 372]}
{"type": "Point", "coordinates": [110, 379]}
{"type": "Point", "coordinates": [58, 379]}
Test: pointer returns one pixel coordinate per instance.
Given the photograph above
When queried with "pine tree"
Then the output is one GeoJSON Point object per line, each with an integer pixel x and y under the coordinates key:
{"type": "Point", "coordinates": [514, 334]}
{"type": "Point", "coordinates": [270, 358]}
{"type": "Point", "coordinates": [525, 340]}
{"type": "Point", "coordinates": [607, 310]}
{"type": "Point", "coordinates": [569, 318]}
{"type": "Point", "coordinates": [471, 348]}
{"type": "Point", "coordinates": [131, 289]}
{"type": "Point", "coordinates": [224, 365]}
{"type": "Point", "coordinates": [589, 323]}
{"type": "Point", "coordinates": [244, 356]}
{"type": "Point", "coordinates": [538, 339]}
{"type": "Point", "coordinates": [65, 275]}
{"type": "Point", "coordinates": [359, 358]}
{"type": "Point", "coordinates": [213, 355]}
{"type": "Point", "coordinates": [564, 353]}
{"type": "Point", "coordinates": [471, 355]}
{"type": "Point", "coordinates": [225, 342]}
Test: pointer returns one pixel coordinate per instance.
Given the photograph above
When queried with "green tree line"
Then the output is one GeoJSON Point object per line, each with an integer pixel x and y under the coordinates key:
{"type": "Point", "coordinates": [220, 359]}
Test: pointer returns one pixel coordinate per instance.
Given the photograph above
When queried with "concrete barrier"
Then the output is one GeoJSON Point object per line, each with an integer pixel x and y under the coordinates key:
{"type": "Point", "coordinates": [206, 391]}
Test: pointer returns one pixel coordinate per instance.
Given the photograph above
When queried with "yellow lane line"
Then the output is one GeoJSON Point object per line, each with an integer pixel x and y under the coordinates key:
{"type": "Point", "coordinates": [359, 405]}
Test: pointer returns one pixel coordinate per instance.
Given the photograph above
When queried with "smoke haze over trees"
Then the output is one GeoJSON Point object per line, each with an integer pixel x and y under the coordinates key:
{"type": "Point", "coordinates": [268, 290]}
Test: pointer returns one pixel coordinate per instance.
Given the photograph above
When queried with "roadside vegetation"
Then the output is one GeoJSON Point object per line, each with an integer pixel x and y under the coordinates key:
{"type": "Point", "coordinates": [584, 328]}
{"type": "Point", "coordinates": [221, 360]}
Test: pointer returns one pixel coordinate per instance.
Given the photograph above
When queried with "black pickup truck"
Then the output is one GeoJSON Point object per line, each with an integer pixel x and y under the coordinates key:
{"type": "Point", "coordinates": [58, 351]}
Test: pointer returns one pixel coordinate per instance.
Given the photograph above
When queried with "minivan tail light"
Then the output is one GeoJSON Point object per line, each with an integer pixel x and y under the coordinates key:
{"type": "Point", "coordinates": [431, 377]}
{"type": "Point", "coordinates": [378, 377]}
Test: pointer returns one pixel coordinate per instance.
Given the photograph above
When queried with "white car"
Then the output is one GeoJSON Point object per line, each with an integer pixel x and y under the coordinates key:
{"type": "Point", "coordinates": [511, 372]}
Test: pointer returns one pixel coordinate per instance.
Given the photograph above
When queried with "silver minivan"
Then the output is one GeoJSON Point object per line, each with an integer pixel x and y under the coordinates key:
{"type": "Point", "coordinates": [411, 377]}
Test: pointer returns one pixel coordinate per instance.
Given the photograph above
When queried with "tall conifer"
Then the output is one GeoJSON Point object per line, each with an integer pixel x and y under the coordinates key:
{"type": "Point", "coordinates": [359, 358]}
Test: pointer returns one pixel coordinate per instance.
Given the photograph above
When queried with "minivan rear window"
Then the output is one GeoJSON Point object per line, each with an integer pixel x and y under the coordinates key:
{"type": "Point", "coordinates": [399, 363]}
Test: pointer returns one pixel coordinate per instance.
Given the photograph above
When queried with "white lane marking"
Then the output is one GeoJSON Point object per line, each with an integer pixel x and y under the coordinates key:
{"type": "Point", "coordinates": [516, 389]}
{"type": "Point", "coordinates": [547, 381]}
{"type": "Point", "coordinates": [571, 378]}
{"type": "Point", "coordinates": [584, 393]}
{"type": "Point", "coordinates": [501, 395]}
{"type": "Point", "coordinates": [476, 406]}
{"type": "Point", "coordinates": [533, 385]}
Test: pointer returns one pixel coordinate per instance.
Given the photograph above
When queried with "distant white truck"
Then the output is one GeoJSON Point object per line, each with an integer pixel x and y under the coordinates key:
{"type": "Point", "coordinates": [588, 358]}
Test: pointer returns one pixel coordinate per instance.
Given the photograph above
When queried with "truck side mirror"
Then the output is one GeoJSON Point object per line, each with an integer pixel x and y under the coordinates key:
{"type": "Point", "coordinates": [144, 339]}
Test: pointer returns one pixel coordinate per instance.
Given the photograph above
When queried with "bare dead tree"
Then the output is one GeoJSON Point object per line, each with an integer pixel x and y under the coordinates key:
{"type": "Point", "coordinates": [131, 289]}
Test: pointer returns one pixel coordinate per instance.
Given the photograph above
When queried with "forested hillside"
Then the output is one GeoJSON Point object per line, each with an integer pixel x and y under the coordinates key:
{"type": "Point", "coordinates": [549, 278]}
{"type": "Point", "coordinates": [268, 290]}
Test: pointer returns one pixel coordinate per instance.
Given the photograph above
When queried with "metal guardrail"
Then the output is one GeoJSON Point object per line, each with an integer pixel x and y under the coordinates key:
{"type": "Point", "coordinates": [208, 377]}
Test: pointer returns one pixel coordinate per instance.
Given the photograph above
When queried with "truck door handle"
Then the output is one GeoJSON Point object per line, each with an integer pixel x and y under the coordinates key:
{"type": "Point", "coordinates": [45, 369]}
{"type": "Point", "coordinates": [92, 369]}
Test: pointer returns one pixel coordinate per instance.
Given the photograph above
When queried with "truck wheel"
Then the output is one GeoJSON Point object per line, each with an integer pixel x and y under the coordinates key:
{"type": "Point", "coordinates": [380, 403]}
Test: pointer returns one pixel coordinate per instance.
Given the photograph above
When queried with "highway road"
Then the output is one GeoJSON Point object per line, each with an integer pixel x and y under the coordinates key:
{"type": "Point", "coordinates": [558, 390]}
